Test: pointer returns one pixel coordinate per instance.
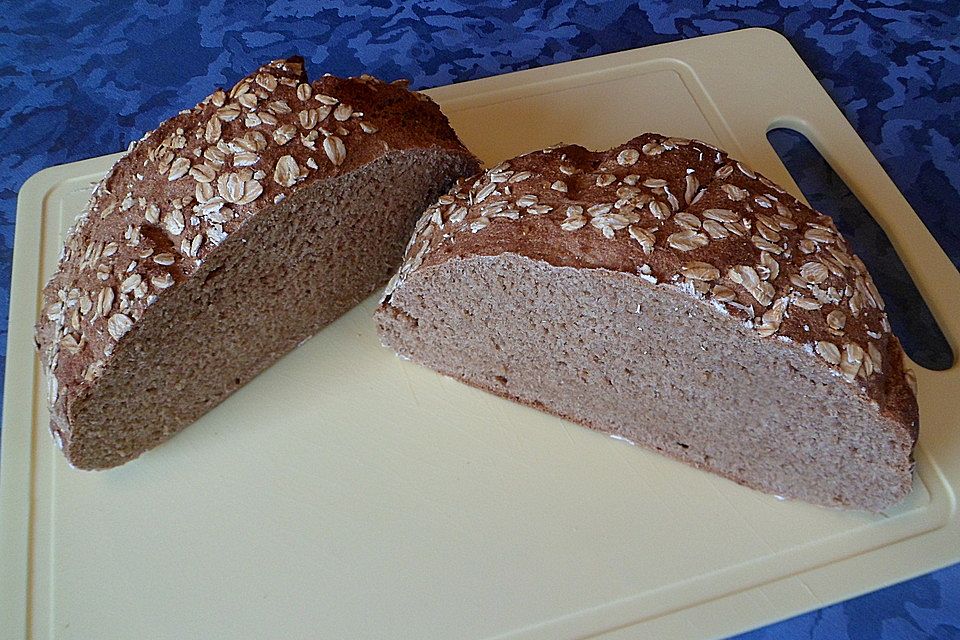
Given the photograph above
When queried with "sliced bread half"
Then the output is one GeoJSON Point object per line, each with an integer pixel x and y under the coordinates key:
{"type": "Point", "coordinates": [225, 238]}
{"type": "Point", "coordinates": [667, 294]}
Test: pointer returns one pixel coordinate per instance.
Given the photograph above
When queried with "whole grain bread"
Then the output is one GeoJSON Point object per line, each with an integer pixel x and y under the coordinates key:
{"type": "Point", "coordinates": [666, 294]}
{"type": "Point", "coordinates": [225, 238]}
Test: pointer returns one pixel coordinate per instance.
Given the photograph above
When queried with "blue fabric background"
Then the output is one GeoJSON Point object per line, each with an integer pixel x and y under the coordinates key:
{"type": "Point", "coordinates": [81, 78]}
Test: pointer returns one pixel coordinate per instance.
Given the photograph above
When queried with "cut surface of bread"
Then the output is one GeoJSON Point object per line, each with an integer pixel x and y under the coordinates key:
{"type": "Point", "coordinates": [226, 238]}
{"type": "Point", "coordinates": [595, 287]}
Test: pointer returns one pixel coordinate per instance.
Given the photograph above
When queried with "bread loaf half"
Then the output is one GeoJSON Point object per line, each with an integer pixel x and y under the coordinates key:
{"type": "Point", "coordinates": [224, 239]}
{"type": "Point", "coordinates": [665, 293]}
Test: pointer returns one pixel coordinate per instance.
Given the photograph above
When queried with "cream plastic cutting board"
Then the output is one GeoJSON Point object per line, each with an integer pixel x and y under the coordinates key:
{"type": "Point", "coordinates": [347, 494]}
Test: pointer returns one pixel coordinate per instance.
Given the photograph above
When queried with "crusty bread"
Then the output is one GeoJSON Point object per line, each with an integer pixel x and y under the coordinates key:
{"type": "Point", "coordinates": [664, 293]}
{"type": "Point", "coordinates": [224, 239]}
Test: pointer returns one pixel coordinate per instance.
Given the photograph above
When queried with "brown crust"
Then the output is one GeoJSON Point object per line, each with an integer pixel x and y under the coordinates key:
{"type": "Point", "coordinates": [725, 235]}
{"type": "Point", "coordinates": [176, 195]}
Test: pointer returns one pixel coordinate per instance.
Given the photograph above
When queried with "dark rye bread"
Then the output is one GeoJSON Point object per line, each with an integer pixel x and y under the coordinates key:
{"type": "Point", "coordinates": [664, 293]}
{"type": "Point", "coordinates": [224, 239]}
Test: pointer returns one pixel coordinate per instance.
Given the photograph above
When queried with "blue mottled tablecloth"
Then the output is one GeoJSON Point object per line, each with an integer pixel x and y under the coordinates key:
{"type": "Point", "coordinates": [81, 79]}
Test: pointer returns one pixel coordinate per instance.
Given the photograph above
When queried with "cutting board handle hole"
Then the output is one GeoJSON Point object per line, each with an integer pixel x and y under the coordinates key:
{"type": "Point", "coordinates": [909, 316]}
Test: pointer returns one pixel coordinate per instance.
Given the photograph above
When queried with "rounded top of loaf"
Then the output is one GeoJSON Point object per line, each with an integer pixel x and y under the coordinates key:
{"type": "Point", "coordinates": [682, 213]}
{"type": "Point", "coordinates": [180, 191]}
